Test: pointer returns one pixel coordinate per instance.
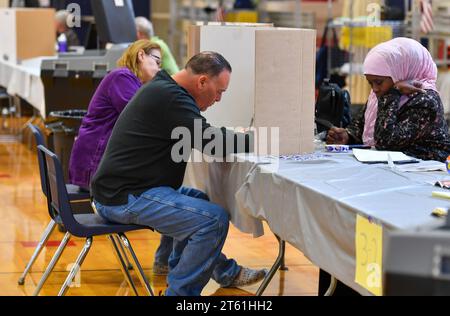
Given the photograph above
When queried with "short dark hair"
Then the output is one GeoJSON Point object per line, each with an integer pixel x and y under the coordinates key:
{"type": "Point", "coordinates": [208, 63]}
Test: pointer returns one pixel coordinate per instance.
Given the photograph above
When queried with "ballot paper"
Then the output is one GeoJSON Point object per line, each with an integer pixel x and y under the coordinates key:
{"type": "Point", "coordinates": [377, 156]}
{"type": "Point", "coordinates": [305, 157]}
{"type": "Point", "coordinates": [423, 166]}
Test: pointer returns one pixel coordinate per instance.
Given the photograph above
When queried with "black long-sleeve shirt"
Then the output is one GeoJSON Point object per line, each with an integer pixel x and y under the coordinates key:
{"type": "Point", "coordinates": [417, 128]}
{"type": "Point", "coordinates": [145, 149]}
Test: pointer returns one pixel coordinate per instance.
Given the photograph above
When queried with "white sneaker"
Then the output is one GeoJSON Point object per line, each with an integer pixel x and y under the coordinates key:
{"type": "Point", "coordinates": [248, 277]}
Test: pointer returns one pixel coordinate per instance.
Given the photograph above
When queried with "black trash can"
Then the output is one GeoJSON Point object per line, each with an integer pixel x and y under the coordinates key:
{"type": "Point", "coordinates": [63, 129]}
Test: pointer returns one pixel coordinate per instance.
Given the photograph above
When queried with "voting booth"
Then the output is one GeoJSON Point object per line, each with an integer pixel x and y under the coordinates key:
{"type": "Point", "coordinates": [272, 83]}
{"type": "Point", "coordinates": [26, 33]}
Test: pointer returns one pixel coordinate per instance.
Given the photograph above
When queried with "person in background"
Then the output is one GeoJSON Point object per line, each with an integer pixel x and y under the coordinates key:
{"type": "Point", "coordinates": [140, 177]}
{"type": "Point", "coordinates": [25, 4]}
{"type": "Point", "coordinates": [404, 111]}
{"type": "Point", "coordinates": [145, 31]}
{"type": "Point", "coordinates": [61, 18]}
{"type": "Point", "coordinates": [138, 65]}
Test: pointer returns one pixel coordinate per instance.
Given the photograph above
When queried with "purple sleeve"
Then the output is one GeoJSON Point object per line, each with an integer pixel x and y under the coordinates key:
{"type": "Point", "coordinates": [122, 90]}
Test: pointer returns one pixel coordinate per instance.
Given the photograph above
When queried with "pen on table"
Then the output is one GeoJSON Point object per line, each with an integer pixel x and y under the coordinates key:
{"type": "Point", "coordinates": [404, 162]}
{"type": "Point", "coordinates": [400, 162]}
{"type": "Point", "coordinates": [359, 146]}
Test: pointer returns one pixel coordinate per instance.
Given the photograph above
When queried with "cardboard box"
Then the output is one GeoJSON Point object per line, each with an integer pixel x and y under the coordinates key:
{"type": "Point", "coordinates": [26, 33]}
{"type": "Point", "coordinates": [272, 84]}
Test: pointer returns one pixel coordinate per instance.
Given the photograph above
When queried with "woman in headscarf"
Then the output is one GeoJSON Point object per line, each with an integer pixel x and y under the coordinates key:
{"type": "Point", "coordinates": [404, 111]}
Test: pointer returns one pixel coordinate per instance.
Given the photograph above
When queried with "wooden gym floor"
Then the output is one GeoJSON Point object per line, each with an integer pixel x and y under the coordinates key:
{"type": "Point", "coordinates": [23, 218]}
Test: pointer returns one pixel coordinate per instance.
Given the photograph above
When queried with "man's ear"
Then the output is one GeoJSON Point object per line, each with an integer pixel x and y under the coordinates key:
{"type": "Point", "coordinates": [202, 81]}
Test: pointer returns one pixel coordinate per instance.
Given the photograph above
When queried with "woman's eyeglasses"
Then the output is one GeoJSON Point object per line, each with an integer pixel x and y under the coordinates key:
{"type": "Point", "coordinates": [157, 59]}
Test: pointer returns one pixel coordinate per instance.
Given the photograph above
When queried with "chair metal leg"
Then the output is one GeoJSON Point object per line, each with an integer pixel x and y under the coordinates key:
{"type": "Point", "coordinates": [5, 114]}
{"type": "Point", "coordinates": [279, 262]}
{"type": "Point", "coordinates": [76, 266]}
{"type": "Point", "coordinates": [123, 266]}
{"type": "Point", "coordinates": [13, 116]}
{"type": "Point", "coordinates": [332, 287]}
{"type": "Point", "coordinates": [140, 271]}
{"type": "Point", "coordinates": [124, 253]}
{"type": "Point", "coordinates": [52, 263]}
{"type": "Point", "coordinates": [50, 227]}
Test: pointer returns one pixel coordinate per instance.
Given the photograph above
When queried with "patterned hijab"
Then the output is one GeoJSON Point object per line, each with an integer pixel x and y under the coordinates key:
{"type": "Point", "coordinates": [401, 59]}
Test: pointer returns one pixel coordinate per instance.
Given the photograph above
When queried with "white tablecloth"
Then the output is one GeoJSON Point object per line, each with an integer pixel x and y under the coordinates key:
{"type": "Point", "coordinates": [313, 205]}
{"type": "Point", "coordinates": [25, 81]}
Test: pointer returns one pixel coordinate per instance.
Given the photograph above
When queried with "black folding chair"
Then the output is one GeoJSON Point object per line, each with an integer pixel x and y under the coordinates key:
{"type": "Point", "coordinates": [85, 225]}
{"type": "Point", "coordinates": [76, 194]}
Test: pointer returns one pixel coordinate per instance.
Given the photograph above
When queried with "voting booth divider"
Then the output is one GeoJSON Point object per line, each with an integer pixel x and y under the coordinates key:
{"type": "Point", "coordinates": [272, 82]}
{"type": "Point", "coordinates": [26, 33]}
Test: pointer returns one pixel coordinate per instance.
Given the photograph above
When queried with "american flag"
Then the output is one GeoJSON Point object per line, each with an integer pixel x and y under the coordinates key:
{"type": "Point", "coordinates": [426, 23]}
{"type": "Point", "coordinates": [220, 14]}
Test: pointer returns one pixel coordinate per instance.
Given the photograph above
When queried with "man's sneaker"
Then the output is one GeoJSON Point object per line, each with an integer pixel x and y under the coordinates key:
{"type": "Point", "coordinates": [160, 269]}
{"type": "Point", "coordinates": [248, 277]}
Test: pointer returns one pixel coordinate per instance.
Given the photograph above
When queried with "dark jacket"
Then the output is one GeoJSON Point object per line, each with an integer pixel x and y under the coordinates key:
{"type": "Point", "coordinates": [417, 128]}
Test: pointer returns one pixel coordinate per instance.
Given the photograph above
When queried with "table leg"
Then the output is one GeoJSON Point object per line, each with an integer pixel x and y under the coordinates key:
{"type": "Point", "coordinates": [279, 263]}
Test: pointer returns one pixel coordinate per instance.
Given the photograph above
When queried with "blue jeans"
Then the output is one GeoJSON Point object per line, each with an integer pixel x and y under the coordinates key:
{"type": "Point", "coordinates": [197, 226]}
{"type": "Point", "coordinates": [164, 250]}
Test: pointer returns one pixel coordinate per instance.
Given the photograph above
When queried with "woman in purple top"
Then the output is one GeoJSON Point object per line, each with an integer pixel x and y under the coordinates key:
{"type": "Point", "coordinates": [138, 65]}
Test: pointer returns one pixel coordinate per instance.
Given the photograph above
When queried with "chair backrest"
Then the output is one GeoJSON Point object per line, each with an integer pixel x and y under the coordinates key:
{"type": "Point", "coordinates": [57, 192]}
{"type": "Point", "coordinates": [40, 141]}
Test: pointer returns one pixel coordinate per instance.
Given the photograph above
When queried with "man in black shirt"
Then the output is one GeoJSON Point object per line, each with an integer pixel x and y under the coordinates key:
{"type": "Point", "coordinates": [140, 176]}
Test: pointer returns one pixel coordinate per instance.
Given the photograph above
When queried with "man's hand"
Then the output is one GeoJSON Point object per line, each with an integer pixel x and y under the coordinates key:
{"type": "Point", "coordinates": [337, 136]}
{"type": "Point", "coordinates": [409, 87]}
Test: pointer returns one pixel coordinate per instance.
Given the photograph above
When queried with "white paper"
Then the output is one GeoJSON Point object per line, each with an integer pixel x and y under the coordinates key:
{"type": "Point", "coordinates": [423, 166]}
{"type": "Point", "coordinates": [119, 3]}
{"type": "Point", "coordinates": [368, 155]}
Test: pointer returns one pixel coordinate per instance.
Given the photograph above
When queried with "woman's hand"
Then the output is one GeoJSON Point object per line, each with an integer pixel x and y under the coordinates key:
{"type": "Point", "coordinates": [409, 87]}
{"type": "Point", "coordinates": [337, 136]}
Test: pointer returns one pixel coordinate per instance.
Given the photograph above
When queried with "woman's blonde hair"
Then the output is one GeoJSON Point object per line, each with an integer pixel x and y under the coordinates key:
{"type": "Point", "coordinates": [130, 59]}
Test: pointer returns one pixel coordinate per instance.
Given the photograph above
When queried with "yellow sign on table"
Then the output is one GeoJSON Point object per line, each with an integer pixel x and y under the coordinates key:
{"type": "Point", "coordinates": [369, 255]}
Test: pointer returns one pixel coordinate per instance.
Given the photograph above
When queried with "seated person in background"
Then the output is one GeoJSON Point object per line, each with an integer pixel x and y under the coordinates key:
{"type": "Point", "coordinates": [145, 31]}
{"type": "Point", "coordinates": [62, 28]}
{"type": "Point", "coordinates": [140, 176]}
{"type": "Point", "coordinates": [138, 65]}
{"type": "Point", "coordinates": [25, 4]}
{"type": "Point", "coordinates": [404, 111]}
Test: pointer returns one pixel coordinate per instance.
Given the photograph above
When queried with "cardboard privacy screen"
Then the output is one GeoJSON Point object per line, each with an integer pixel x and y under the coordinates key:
{"type": "Point", "coordinates": [272, 83]}
{"type": "Point", "coordinates": [26, 33]}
